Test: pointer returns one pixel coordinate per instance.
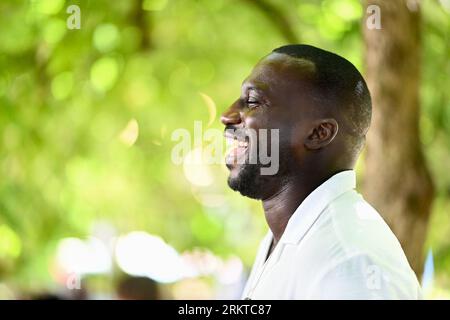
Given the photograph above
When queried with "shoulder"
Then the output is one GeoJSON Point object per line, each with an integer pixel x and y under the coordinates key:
{"type": "Point", "coordinates": [354, 251]}
{"type": "Point", "coordinates": [357, 228]}
{"type": "Point", "coordinates": [362, 277]}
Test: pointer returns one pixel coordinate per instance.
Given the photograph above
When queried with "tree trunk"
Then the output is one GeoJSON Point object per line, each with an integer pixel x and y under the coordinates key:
{"type": "Point", "coordinates": [396, 181]}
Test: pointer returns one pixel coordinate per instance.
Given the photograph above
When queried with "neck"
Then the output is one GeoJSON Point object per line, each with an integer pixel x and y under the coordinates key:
{"type": "Point", "coordinates": [279, 207]}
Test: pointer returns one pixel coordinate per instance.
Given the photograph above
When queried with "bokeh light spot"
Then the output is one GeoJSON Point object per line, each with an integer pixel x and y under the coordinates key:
{"type": "Point", "coordinates": [10, 244]}
{"type": "Point", "coordinates": [211, 107]}
{"type": "Point", "coordinates": [154, 5]}
{"type": "Point", "coordinates": [48, 6]}
{"type": "Point", "coordinates": [104, 73]}
{"type": "Point", "coordinates": [106, 37]}
{"type": "Point", "coordinates": [130, 133]}
{"type": "Point", "coordinates": [196, 170]}
{"type": "Point", "coordinates": [54, 30]}
{"type": "Point", "coordinates": [141, 254]}
{"type": "Point", "coordinates": [62, 85]}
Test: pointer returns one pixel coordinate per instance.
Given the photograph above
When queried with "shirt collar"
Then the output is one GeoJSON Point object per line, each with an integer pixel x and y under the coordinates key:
{"type": "Point", "coordinates": [313, 205]}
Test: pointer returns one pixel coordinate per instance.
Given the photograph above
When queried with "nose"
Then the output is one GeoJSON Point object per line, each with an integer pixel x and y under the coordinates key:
{"type": "Point", "coordinates": [232, 116]}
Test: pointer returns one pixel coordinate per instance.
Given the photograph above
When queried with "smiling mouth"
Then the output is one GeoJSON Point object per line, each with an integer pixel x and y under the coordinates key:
{"type": "Point", "coordinates": [236, 150]}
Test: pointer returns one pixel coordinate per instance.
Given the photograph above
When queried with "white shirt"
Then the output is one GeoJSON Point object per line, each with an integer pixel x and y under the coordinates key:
{"type": "Point", "coordinates": [335, 246]}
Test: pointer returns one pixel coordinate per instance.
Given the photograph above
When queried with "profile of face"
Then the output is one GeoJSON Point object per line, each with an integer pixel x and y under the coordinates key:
{"type": "Point", "coordinates": [273, 97]}
{"type": "Point", "coordinates": [309, 108]}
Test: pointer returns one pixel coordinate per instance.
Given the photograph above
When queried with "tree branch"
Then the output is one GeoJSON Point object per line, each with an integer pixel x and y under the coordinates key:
{"type": "Point", "coordinates": [278, 19]}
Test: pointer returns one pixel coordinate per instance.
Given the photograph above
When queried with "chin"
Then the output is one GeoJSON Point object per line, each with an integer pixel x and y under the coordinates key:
{"type": "Point", "coordinates": [246, 180]}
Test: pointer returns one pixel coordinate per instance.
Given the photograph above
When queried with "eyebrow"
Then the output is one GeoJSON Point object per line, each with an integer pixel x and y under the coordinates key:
{"type": "Point", "coordinates": [254, 85]}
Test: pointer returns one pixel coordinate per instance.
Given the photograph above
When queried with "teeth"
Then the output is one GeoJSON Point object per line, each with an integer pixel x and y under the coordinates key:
{"type": "Point", "coordinates": [243, 144]}
{"type": "Point", "coordinates": [235, 143]}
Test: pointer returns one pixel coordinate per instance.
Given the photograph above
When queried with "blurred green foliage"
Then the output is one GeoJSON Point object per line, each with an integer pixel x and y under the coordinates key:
{"type": "Point", "coordinates": [66, 97]}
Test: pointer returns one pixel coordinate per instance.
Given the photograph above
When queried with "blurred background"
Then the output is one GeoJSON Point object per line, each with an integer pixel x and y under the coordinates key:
{"type": "Point", "coordinates": [92, 205]}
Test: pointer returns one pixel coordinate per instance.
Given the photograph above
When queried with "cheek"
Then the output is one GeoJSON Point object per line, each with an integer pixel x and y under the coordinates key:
{"type": "Point", "coordinates": [256, 120]}
{"type": "Point", "coordinates": [297, 141]}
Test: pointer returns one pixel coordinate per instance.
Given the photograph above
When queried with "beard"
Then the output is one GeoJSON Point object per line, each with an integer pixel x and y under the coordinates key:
{"type": "Point", "coordinates": [250, 173]}
{"type": "Point", "coordinates": [249, 181]}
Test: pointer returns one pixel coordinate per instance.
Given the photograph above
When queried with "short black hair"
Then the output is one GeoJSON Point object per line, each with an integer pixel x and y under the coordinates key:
{"type": "Point", "coordinates": [339, 86]}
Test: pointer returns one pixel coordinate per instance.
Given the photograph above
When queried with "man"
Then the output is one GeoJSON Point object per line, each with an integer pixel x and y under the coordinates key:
{"type": "Point", "coordinates": [325, 241]}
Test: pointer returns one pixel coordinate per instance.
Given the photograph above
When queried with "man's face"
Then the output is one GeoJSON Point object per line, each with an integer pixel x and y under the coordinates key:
{"type": "Point", "coordinates": [272, 97]}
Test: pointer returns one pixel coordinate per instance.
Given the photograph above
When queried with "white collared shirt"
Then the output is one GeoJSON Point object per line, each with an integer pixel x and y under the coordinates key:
{"type": "Point", "coordinates": [335, 246]}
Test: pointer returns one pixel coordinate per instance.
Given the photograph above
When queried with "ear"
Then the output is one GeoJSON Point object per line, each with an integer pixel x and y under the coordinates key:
{"type": "Point", "coordinates": [322, 133]}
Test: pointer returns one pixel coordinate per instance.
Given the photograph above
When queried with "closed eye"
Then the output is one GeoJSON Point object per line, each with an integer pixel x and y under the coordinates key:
{"type": "Point", "coordinates": [253, 99]}
{"type": "Point", "coordinates": [251, 102]}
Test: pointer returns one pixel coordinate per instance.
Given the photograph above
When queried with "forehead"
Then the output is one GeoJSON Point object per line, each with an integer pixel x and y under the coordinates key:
{"type": "Point", "coordinates": [279, 72]}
